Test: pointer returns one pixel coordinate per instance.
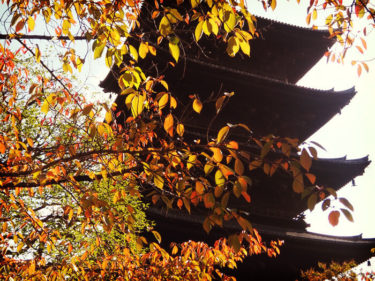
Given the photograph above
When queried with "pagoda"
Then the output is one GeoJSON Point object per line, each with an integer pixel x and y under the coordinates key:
{"type": "Point", "coordinates": [269, 101]}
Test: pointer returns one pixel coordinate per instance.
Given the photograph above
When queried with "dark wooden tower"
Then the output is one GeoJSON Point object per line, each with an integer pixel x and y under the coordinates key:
{"type": "Point", "coordinates": [268, 100]}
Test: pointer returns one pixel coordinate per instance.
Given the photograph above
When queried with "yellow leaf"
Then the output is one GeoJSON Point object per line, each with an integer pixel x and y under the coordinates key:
{"type": "Point", "coordinates": [50, 100]}
{"type": "Point", "coordinates": [133, 52]}
{"type": "Point", "coordinates": [31, 23]}
{"type": "Point", "coordinates": [165, 26]}
{"type": "Point", "coordinates": [180, 129]}
{"type": "Point", "coordinates": [174, 50]}
{"type": "Point", "coordinates": [273, 4]}
{"type": "Point", "coordinates": [70, 216]}
{"type": "Point", "coordinates": [143, 50]}
{"type": "Point", "coordinates": [158, 181]}
{"type": "Point", "coordinates": [168, 124]}
{"type": "Point", "coordinates": [173, 103]}
{"type": "Point", "coordinates": [137, 105]}
{"type": "Point", "coordinates": [98, 51]}
{"type": "Point", "coordinates": [19, 247]}
{"type": "Point", "coordinates": [108, 117]}
{"type": "Point", "coordinates": [245, 47]}
{"type": "Point", "coordinates": [163, 101]}
{"type": "Point", "coordinates": [197, 105]}
{"type": "Point", "coordinates": [315, 14]}
{"type": "Point", "coordinates": [37, 54]}
{"type": "Point", "coordinates": [219, 178]}
{"type": "Point", "coordinates": [207, 27]}
{"type": "Point", "coordinates": [194, 3]}
{"type": "Point", "coordinates": [229, 21]}
{"type": "Point", "coordinates": [191, 161]}
{"type": "Point", "coordinates": [30, 142]}
{"type": "Point", "coordinates": [233, 46]}
{"type": "Point", "coordinates": [198, 31]}
{"type": "Point", "coordinates": [222, 134]}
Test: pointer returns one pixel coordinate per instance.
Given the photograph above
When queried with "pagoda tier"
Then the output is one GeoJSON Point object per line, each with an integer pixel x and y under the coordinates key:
{"type": "Point", "coordinates": [284, 203]}
{"type": "Point", "coordinates": [301, 250]}
{"type": "Point", "coordinates": [280, 51]}
{"type": "Point", "coordinates": [265, 105]}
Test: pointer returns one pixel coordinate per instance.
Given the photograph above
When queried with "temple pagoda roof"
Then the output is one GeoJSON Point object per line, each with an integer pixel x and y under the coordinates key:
{"type": "Point", "coordinates": [300, 251]}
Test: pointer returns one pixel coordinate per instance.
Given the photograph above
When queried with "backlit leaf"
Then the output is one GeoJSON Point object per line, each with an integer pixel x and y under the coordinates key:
{"type": "Point", "coordinates": [137, 105]}
{"type": "Point", "coordinates": [218, 154]}
{"type": "Point", "coordinates": [174, 50]}
{"type": "Point", "coordinates": [168, 124]}
{"type": "Point", "coordinates": [219, 178]}
{"type": "Point", "coordinates": [31, 23]}
{"type": "Point", "coordinates": [347, 214]}
{"type": "Point", "coordinates": [197, 105]}
{"type": "Point", "coordinates": [108, 117]}
{"type": "Point", "coordinates": [180, 129]}
{"type": "Point", "coordinates": [198, 31]}
{"type": "Point", "coordinates": [222, 134]}
{"type": "Point", "coordinates": [346, 203]}
{"type": "Point", "coordinates": [158, 181]}
{"type": "Point", "coordinates": [333, 218]}
{"type": "Point", "coordinates": [143, 50]}
{"type": "Point", "coordinates": [163, 101]}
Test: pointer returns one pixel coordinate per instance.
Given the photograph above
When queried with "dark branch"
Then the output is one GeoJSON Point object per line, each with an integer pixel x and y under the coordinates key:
{"type": "Point", "coordinates": [40, 37]}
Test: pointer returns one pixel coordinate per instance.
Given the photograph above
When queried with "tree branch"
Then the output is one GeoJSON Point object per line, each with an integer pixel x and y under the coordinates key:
{"type": "Point", "coordinates": [39, 37]}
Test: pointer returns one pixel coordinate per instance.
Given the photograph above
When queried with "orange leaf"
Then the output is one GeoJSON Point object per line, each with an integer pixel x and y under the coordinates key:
{"type": "Point", "coordinates": [179, 203]}
{"type": "Point", "coordinates": [218, 155]}
{"type": "Point", "coordinates": [311, 177]}
{"type": "Point", "coordinates": [197, 105]}
{"type": "Point", "coordinates": [209, 200]}
{"type": "Point", "coordinates": [168, 124]}
{"type": "Point", "coordinates": [333, 218]}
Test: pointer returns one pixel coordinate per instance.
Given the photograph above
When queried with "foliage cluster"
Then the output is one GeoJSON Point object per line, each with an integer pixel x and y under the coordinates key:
{"type": "Point", "coordinates": [72, 183]}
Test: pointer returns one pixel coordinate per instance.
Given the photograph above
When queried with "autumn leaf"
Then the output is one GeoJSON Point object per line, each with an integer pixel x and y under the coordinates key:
{"type": "Point", "coordinates": [168, 124]}
{"type": "Point", "coordinates": [222, 134]}
{"type": "Point", "coordinates": [333, 218]}
{"type": "Point", "coordinates": [197, 105]}
{"type": "Point", "coordinates": [158, 181]}
{"type": "Point", "coordinates": [174, 49]}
